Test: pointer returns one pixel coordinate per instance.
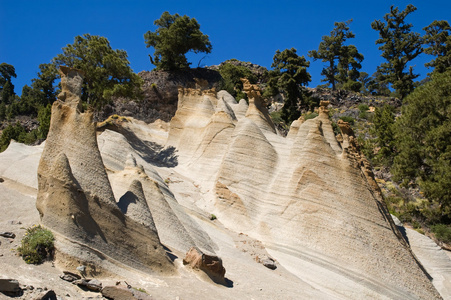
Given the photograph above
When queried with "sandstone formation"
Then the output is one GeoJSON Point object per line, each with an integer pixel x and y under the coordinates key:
{"type": "Point", "coordinates": [310, 199]}
{"type": "Point", "coordinates": [216, 188]}
{"type": "Point", "coordinates": [75, 198]}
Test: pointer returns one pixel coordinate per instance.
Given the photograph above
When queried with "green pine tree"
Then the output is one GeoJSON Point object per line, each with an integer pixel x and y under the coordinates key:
{"type": "Point", "coordinates": [423, 135]}
{"type": "Point", "coordinates": [174, 37]}
{"type": "Point", "coordinates": [343, 62]}
{"type": "Point", "coordinates": [107, 72]}
{"type": "Point", "coordinates": [399, 46]}
{"type": "Point", "coordinates": [289, 74]}
{"type": "Point", "coordinates": [438, 40]}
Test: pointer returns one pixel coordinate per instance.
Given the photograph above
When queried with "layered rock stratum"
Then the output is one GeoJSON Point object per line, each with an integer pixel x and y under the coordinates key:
{"type": "Point", "coordinates": [129, 202]}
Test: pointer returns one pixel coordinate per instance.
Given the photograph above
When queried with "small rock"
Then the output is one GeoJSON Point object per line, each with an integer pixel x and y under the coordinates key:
{"type": "Point", "coordinates": [94, 285]}
{"type": "Point", "coordinates": [117, 293]}
{"type": "Point", "coordinates": [90, 284]}
{"type": "Point", "coordinates": [81, 269]}
{"type": "Point", "coordinates": [14, 222]}
{"type": "Point", "coordinates": [9, 286]}
{"type": "Point", "coordinates": [269, 263]}
{"type": "Point", "coordinates": [69, 276]}
{"type": "Point", "coordinates": [7, 235]}
{"type": "Point", "coordinates": [47, 295]}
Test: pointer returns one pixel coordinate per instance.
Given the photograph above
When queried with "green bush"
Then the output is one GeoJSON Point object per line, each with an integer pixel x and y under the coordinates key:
{"type": "Point", "coordinates": [312, 115]}
{"type": "Point", "coordinates": [276, 117]}
{"type": "Point", "coordinates": [348, 119]}
{"type": "Point", "coordinates": [15, 132]}
{"type": "Point", "coordinates": [37, 245]}
{"type": "Point", "coordinates": [442, 232]}
{"type": "Point", "coordinates": [363, 107]}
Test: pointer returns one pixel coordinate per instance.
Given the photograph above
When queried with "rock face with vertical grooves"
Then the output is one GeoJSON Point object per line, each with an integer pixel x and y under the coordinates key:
{"type": "Point", "coordinates": [75, 198]}
{"type": "Point", "coordinates": [309, 198]}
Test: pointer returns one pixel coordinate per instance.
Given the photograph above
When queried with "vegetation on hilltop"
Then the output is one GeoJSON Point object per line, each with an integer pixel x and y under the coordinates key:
{"type": "Point", "coordinates": [399, 46]}
{"type": "Point", "coordinates": [107, 72]}
{"type": "Point", "coordinates": [289, 75]}
{"type": "Point", "coordinates": [174, 37]}
{"type": "Point", "coordinates": [343, 60]}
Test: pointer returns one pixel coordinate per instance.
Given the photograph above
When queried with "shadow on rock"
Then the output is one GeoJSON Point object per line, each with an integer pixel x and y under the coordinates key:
{"type": "Point", "coordinates": [151, 152]}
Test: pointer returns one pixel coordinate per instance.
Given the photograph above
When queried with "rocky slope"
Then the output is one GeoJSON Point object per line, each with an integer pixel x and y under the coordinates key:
{"type": "Point", "coordinates": [129, 203]}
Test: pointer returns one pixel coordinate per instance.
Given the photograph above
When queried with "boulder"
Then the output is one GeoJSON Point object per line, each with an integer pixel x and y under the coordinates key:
{"type": "Point", "coordinates": [117, 293]}
{"type": "Point", "coordinates": [9, 286]}
{"type": "Point", "coordinates": [210, 264]}
{"type": "Point", "coordinates": [69, 276]}
{"type": "Point", "coordinates": [89, 284]}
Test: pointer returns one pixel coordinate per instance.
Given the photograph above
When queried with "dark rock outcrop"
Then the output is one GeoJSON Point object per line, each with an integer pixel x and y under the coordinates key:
{"type": "Point", "coordinates": [160, 94]}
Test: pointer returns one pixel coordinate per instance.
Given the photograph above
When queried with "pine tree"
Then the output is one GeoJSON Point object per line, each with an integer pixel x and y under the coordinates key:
{"type": "Point", "coordinates": [438, 38]}
{"type": "Point", "coordinates": [343, 61]}
{"type": "Point", "coordinates": [106, 71]}
{"type": "Point", "coordinates": [174, 37]}
{"type": "Point", "coordinates": [7, 94]}
{"type": "Point", "coordinates": [384, 120]}
{"type": "Point", "coordinates": [423, 135]}
{"type": "Point", "coordinates": [289, 74]}
{"type": "Point", "coordinates": [399, 46]}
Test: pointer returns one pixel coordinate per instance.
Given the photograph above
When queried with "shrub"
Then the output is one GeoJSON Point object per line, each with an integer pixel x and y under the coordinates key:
{"type": "Point", "coordinates": [363, 107]}
{"type": "Point", "coordinates": [348, 119]}
{"type": "Point", "coordinates": [312, 115]}
{"type": "Point", "coordinates": [212, 217]}
{"type": "Point", "coordinates": [37, 245]}
{"type": "Point", "coordinates": [442, 232]}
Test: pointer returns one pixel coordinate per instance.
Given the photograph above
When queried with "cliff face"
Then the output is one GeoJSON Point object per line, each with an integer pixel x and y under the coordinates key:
{"type": "Point", "coordinates": [306, 196]}
{"type": "Point", "coordinates": [115, 199]}
{"type": "Point", "coordinates": [75, 198]}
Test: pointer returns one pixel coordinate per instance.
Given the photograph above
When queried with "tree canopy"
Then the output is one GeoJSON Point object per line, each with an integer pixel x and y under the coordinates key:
{"type": "Point", "coordinates": [423, 135]}
{"type": "Point", "coordinates": [107, 71]}
{"type": "Point", "coordinates": [289, 74]}
{"type": "Point", "coordinates": [175, 36]}
{"type": "Point", "coordinates": [438, 39]}
{"type": "Point", "coordinates": [231, 75]}
{"type": "Point", "coordinates": [343, 60]}
{"type": "Point", "coordinates": [399, 46]}
{"type": "Point", "coordinates": [6, 86]}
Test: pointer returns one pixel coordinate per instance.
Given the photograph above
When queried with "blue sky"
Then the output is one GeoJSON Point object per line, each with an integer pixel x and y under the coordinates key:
{"type": "Point", "coordinates": [33, 32]}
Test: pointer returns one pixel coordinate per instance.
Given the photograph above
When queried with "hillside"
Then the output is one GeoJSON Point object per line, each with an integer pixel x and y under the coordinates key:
{"type": "Point", "coordinates": [287, 217]}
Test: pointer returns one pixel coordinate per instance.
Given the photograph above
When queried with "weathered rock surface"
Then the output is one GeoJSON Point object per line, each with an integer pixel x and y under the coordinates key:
{"type": "Point", "coordinates": [301, 195]}
{"type": "Point", "coordinates": [307, 202]}
{"type": "Point", "coordinates": [75, 198]}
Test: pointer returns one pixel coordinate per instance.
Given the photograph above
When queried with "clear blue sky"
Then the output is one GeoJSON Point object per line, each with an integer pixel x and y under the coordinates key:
{"type": "Point", "coordinates": [33, 32]}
